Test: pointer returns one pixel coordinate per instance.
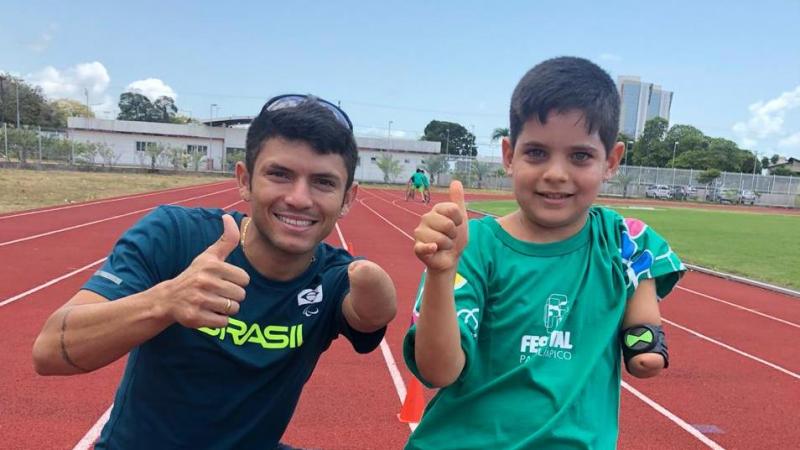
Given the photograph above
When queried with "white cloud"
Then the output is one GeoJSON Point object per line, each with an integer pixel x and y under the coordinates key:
{"type": "Point", "coordinates": [767, 119]}
{"type": "Point", "coordinates": [71, 82]}
{"type": "Point", "coordinates": [611, 57]}
{"type": "Point", "coordinates": [792, 142]}
{"type": "Point", "coordinates": [151, 88]}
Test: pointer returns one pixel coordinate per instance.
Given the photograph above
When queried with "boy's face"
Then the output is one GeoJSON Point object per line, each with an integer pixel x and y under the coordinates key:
{"type": "Point", "coordinates": [295, 195]}
{"type": "Point", "coordinates": [557, 170]}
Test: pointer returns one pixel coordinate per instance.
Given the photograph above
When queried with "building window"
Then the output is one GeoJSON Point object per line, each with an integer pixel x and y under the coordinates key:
{"type": "Point", "coordinates": [142, 146]}
{"type": "Point", "coordinates": [374, 159]}
{"type": "Point", "coordinates": [201, 149]}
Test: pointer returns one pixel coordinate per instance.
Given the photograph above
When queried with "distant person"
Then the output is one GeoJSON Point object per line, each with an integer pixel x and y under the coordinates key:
{"type": "Point", "coordinates": [522, 318]}
{"type": "Point", "coordinates": [418, 183]}
{"type": "Point", "coordinates": [224, 316]}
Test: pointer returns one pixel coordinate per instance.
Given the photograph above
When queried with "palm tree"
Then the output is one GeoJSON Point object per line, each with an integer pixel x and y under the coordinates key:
{"type": "Point", "coordinates": [499, 133]}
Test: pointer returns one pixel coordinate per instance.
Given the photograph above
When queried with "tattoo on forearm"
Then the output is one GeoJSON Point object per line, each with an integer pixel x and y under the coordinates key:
{"type": "Point", "coordinates": [64, 353]}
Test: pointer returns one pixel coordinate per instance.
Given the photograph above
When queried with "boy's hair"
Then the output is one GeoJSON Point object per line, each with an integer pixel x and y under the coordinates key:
{"type": "Point", "coordinates": [308, 121]}
{"type": "Point", "coordinates": [566, 84]}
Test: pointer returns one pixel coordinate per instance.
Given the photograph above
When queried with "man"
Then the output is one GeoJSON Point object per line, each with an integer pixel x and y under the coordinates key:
{"type": "Point", "coordinates": [225, 315]}
{"type": "Point", "coordinates": [418, 183]}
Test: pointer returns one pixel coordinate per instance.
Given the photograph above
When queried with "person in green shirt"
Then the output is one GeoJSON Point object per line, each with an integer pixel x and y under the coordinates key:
{"type": "Point", "coordinates": [420, 184]}
{"type": "Point", "coordinates": [522, 320]}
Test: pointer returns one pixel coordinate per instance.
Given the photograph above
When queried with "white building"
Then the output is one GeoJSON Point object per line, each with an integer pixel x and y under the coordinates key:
{"type": "Point", "coordinates": [130, 140]}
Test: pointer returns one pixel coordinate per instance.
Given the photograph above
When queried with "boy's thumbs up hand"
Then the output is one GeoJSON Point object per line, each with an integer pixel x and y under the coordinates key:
{"type": "Point", "coordinates": [442, 233]}
{"type": "Point", "coordinates": [209, 290]}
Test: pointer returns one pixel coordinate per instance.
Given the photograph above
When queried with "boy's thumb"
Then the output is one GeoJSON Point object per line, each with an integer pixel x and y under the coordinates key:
{"type": "Point", "coordinates": [457, 195]}
{"type": "Point", "coordinates": [228, 241]}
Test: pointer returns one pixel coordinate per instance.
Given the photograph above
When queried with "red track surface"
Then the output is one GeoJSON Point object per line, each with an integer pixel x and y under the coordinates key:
{"type": "Point", "coordinates": [744, 399]}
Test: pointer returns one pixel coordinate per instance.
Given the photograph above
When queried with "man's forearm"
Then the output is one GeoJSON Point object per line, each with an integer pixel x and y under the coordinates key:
{"type": "Point", "coordinates": [438, 352]}
{"type": "Point", "coordinates": [84, 337]}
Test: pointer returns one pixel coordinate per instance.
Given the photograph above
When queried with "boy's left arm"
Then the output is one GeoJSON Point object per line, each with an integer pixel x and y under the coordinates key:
{"type": "Point", "coordinates": [372, 301]}
{"type": "Point", "coordinates": [642, 309]}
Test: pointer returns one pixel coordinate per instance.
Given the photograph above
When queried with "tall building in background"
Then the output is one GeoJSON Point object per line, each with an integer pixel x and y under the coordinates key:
{"type": "Point", "coordinates": [641, 102]}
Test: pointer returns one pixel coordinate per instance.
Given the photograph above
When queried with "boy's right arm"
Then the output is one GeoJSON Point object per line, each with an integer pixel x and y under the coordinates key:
{"type": "Point", "coordinates": [89, 331]}
{"type": "Point", "coordinates": [440, 239]}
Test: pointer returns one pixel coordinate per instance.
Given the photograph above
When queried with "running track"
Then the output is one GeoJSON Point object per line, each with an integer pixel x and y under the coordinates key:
{"type": "Point", "coordinates": [734, 381]}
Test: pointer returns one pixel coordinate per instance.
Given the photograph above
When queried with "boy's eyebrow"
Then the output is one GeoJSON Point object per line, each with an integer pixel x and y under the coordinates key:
{"type": "Point", "coordinates": [584, 147]}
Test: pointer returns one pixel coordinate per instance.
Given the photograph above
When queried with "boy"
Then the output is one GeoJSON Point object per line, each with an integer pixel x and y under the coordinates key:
{"type": "Point", "coordinates": [526, 344]}
{"type": "Point", "coordinates": [418, 183]}
{"type": "Point", "coordinates": [224, 315]}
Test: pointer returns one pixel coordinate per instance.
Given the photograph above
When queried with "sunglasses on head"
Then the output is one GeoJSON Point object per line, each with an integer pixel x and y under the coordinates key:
{"type": "Point", "coordinates": [292, 100]}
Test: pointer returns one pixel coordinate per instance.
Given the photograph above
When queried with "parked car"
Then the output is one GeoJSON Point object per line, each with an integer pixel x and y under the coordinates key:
{"type": "Point", "coordinates": [661, 191]}
{"type": "Point", "coordinates": [746, 197]}
{"type": "Point", "coordinates": [679, 192]}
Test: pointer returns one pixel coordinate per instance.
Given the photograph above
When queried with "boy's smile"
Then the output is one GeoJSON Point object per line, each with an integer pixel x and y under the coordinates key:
{"type": "Point", "coordinates": [557, 170]}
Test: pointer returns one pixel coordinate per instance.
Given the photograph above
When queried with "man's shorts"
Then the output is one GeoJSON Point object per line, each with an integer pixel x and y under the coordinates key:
{"type": "Point", "coordinates": [419, 187]}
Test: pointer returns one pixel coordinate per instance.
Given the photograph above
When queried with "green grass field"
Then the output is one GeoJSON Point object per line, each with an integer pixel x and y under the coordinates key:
{"type": "Point", "coordinates": [764, 247]}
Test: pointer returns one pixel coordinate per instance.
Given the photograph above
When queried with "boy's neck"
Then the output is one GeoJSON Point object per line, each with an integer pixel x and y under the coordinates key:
{"type": "Point", "coordinates": [520, 227]}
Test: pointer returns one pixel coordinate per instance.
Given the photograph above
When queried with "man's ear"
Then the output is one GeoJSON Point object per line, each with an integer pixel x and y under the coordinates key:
{"type": "Point", "coordinates": [508, 154]}
{"type": "Point", "coordinates": [243, 180]}
{"type": "Point", "coordinates": [349, 198]}
{"type": "Point", "coordinates": [613, 160]}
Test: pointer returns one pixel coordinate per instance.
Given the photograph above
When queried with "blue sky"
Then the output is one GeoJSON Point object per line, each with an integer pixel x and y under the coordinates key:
{"type": "Point", "coordinates": [734, 67]}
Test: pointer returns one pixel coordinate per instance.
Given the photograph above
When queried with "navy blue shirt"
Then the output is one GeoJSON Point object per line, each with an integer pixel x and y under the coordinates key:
{"type": "Point", "coordinates": [234, 387]}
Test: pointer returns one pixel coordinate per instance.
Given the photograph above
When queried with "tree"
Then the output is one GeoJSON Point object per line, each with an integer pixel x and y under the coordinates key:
{"type": "Point", "coordinates": [154, 151]}
{"type": "Point", "coordinates": [66, 108]}
{"type": "Point", "coordinates": [765, 162]}
{"type": "Point", "coordinates": [34, 109]}
{"type": "Point", "coordinates": [455, 139]}
{"type": "Point", "coordinates": [390, 167]}
{"type": "Point", "coordinates": [500, 133]}
{"type": "Point", "coordinates": [137, 107]}
{"type": "Point", "coordinates": [165, 109]}
{"type": "Point", "coordinates": [480, 169]}
{"type": "Point", "coordinates": [708, 176]}
{"type": "Point", "coordinates": [782, 170]}
{"type": "Point", "coordinates": [775, 158]}
{"type": "Point", "coordinates": [436, 165]}
{"type": "Point", "coordinates": [624, 179]}
{"type": "Point", "coordinates": [107, 154]}
{"type": "Point", "coordinates": [650, 149]}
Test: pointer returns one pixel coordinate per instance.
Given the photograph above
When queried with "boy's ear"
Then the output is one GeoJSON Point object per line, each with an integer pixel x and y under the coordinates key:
{"type": "Point", "coordinates": [614, 159]}
{"type": "Point", "coordinates": [508, 154]}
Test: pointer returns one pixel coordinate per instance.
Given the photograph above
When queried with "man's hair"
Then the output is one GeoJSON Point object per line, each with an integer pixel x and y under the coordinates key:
{"type": "Point", "coordinates": [567, 84]}
{"type": "Point", "coordinates": [310, 122]}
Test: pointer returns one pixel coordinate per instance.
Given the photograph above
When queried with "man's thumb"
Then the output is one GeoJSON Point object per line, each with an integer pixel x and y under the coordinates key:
{"type": "Point", "coordinates": [229, 239]}
{"type": "Point", "coordinates": [457, 195]}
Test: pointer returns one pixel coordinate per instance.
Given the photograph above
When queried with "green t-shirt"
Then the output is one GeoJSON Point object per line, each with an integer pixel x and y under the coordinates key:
{"type": "Point", "coordinates": [419, 180]}
{"type": "Point", "coordinates": [539, 329]}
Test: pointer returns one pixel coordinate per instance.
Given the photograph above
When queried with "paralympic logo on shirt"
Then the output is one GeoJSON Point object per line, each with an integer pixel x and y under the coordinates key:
{"type": "Point", "coordinates": [555, 343]}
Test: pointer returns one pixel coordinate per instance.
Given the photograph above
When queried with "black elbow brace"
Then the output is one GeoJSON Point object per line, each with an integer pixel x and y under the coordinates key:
{"type": "Point", "coordinates": [645, 338]}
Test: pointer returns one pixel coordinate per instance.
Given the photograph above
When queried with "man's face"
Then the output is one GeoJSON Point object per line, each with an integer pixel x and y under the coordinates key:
{"type": "Point", "coordinates": [557, 170]}
{"type": "Point", "coordinates": [295, 194]}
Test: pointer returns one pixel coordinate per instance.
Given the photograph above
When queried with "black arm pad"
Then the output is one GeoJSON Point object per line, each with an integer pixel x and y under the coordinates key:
{"type": "Point", "coordinates": [645, 338]}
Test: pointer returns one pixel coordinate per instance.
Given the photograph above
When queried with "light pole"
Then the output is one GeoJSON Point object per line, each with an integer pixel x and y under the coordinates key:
{"type": "Point", "coordinates": [628, 148]}
{"type": "Point", "coordinates": [674, 149]}
{"type": "Point", "coordinates": [210, 141]}
{"type": "Point", "coordinates": [389, 134]}
{"type": "Point", "coordinates": [447, 144]}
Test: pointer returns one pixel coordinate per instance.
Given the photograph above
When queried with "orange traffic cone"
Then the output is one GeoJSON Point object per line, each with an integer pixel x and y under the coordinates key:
{"type": "Point", "coordinates": [414, 404]}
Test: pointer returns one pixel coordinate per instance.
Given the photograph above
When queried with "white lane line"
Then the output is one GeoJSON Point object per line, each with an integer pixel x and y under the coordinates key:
{"type": "Point", "coordinates": [110, 200]}
{"type": "Point", "coordinates": [35, 236]}
{"type": "Point", "coordinates": [391, 364]}
{"type": "Point", "coordinates": [733, 349]}
{"type": "Point", "coordinates": [710, 297]}
{"type": "Point", "coordinates": [49, 283]}
{"type": "Point", "coordinates": [88, 440]}
{"type": "Point", "coordinates": [677, 420]}
{"type": "Point", "coordinates": [669, 415]}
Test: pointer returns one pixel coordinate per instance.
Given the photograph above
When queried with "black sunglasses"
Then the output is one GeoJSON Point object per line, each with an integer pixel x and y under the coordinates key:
{"type": "Point", "coordinates": [292, 100]}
